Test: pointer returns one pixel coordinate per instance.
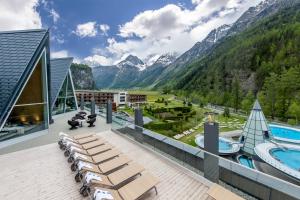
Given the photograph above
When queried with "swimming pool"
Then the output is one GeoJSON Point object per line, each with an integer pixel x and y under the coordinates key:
{"type": "Point", "coordinates": [283, 156]}
{"type": "Point", "coordinates": [244, 160]}
{"type": "Point", "coordinates": [285, 133]}
{"type": "Point", "coordinates": [289, 157]}
{"type": "Point", "coordinates": [226, 146]}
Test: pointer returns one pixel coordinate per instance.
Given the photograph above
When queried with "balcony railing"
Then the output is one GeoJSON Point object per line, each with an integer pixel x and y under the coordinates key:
{"type": "Point", "coordinates": [240, 178]}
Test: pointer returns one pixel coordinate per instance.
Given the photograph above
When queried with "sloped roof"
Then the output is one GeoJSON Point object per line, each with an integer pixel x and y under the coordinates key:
{"type": "Point", "coordinates": [17, 51]}
{"type": "Point", "coordinates": [254, 129]}
{"type": "Point", "coordinates": [59, 71]}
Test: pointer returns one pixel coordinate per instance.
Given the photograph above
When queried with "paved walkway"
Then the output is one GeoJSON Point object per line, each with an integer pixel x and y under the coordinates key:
{"type": "Point", "coordinates": [51, 136]}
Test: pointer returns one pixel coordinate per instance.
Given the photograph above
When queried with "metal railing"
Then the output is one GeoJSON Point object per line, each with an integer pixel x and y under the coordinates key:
{"type": "Point", "coordinates": [241, 178]}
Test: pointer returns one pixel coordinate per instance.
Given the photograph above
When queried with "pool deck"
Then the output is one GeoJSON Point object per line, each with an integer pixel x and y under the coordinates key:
{"type": "Point", "coordinates": [42, 172]}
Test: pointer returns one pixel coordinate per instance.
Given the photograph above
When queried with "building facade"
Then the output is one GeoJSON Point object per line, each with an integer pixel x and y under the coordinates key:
{"type": "Point", "coordinates": [62, 88]}
{"type": "Point", "coordinates": [100, 98]}
{"type": "Point", "coordinates": [24, 83]}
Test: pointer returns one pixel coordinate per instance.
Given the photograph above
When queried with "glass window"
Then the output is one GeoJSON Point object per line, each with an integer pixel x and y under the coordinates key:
{"type": "Point", "coordinates": [66, 99]}
{"type": "Point", "coordinates": [30, 111]}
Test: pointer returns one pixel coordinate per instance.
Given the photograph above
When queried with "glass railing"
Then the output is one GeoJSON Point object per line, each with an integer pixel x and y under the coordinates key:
{"type": "Point", "coordinates": [239, 179]}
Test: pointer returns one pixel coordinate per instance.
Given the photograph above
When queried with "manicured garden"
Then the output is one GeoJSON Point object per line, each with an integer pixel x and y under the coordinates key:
{"type": "Point", "coordinates": [179, 119]}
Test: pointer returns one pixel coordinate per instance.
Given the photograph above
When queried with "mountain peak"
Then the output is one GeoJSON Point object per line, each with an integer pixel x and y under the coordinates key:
{"type": "Point", "coordinates": [166, 59]}
{"type": "Point", "coordinates": [132, 61]}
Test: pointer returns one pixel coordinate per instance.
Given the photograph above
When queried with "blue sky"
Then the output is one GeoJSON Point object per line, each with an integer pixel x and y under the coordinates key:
{"type": "Point", "coordinates": [103, 32]}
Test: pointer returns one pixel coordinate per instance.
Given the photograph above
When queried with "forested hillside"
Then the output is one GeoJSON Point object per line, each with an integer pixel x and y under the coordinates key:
{"type": "Point", "coordinates": [264, 60]}
{"type": "Point", "coordinates": [82, 76]}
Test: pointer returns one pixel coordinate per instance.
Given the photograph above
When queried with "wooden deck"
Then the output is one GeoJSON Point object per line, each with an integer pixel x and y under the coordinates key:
{"type": "Point", "coordinates": [43, 173]}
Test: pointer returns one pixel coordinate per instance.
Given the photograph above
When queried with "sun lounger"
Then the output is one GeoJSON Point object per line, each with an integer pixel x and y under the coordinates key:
{"type": "Point", "coordinates": [97, 159]}
{"type": "Point", "coordinates": [67, 141]}
{"type": "Point", "coordinates": [113, 180]}
{"type": "Point", "coordinates": [130, 191]}
{"type": "Point", "coordinates": [103, 168]}
{"type": "Point", "coordinates": [73, 146]}
{"type": "Point", "coordinates": [90, 152]}
{"type": "Point", "coordinates": [64, 136]}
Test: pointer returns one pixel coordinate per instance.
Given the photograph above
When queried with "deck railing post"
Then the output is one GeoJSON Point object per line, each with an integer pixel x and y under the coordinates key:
{"type": "Point", "coordinates": [211, 145]}
{"type": "Point", "coordinates": [138, 121]}
{"type": "Point", "coordinates": [109, 112]}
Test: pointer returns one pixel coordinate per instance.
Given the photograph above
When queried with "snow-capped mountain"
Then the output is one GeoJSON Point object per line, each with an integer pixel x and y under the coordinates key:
{"type": "Point", "coordinates": [165, 59]}
{"type": "Point", "coordinates": [132, 61]}
{"type": "Point", "coordinates": [262, 10]}
{"type": "Point", "coordinates": [133, 72]}
{"type": "Point", "coordinates": [130, 72]}
{"type": "Point", "coordinates": [253, 14]}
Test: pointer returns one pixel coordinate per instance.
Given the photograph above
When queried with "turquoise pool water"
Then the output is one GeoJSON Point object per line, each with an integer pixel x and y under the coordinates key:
{"type": "Point", "coordinates": [288, 157]}
{"type": "Point", "coordinates": [285, 132]}
{"type": "Point", "coordinates": [224, 145]}
{"type": "Point", "coordinates": [246, 161]}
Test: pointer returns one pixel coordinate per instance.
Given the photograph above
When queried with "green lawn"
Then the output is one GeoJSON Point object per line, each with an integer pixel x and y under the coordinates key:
{"type": "Point", "coordinates": [225, 124]}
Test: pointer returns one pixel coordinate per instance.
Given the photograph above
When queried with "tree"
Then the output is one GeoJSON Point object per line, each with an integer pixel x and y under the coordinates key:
{"type": "Point", "coordinates": [248, 101]}
{"type": "Point", "coordinates": [226, 112]}
{"type": "Point", "coordinates": [294, 111]}
{"type": "Point", "coordinates": [270, 91]}
{"type": "Point", "coordinates": [236, 93]}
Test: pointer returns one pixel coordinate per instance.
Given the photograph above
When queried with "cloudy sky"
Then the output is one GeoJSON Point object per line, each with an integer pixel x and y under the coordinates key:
{"type": "Point", "coordinates": [102, 32]}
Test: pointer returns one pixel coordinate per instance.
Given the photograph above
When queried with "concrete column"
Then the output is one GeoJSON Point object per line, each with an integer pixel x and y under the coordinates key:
{"type": "Point", "coordinates": [93, 109]}
{"type": "Point", "coordinates": [138, 121]}
{"type": "Point", "coordinates": [109, 112]}
{"type": "Point", "coordinates": [81, 102]}
{"type": "Point", "coordinates": [211, 145]}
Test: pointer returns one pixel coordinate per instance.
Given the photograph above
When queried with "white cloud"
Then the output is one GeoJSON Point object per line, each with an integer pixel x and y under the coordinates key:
{"type": "Point", "coordinates": [174, 28]}
{"type": "Point", "coordinates": [88, 29]}
{"type": "Point", "coordinates": [96, 60]}
{"type": "Point", "coordinates": [104, 28]}
{"type": "Point", "coordinates": [59, 54]}
{"type": "Point", "coordinates": [55, 16]}
{"type": "Point", "coordinates": [16, 15]}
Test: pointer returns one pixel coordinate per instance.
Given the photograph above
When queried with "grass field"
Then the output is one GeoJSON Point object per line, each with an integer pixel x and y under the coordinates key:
{"type": "Point", "coordinates": [225, 124]}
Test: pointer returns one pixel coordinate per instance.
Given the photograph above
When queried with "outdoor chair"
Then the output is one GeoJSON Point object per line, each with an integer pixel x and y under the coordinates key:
{"type": "Point", "coordinates": [92, 116]}
{"type": "Point", "coordinates": [97, 159]}
{"type": "Point", "coordinates": [63, 137]}
{"type": "Point", "coordinates": [73, 123]}
{"type": "Point", "coordinates": [72, 147]}
{"type": "Point", "coordinates": [131, 191]}
{"type": "Point", "coordinates": [91, 122]}
{"type": "Point", "coordinates": [103, 168]}
{"type": "Point", "coordinates": [91, 152]}
{"type": "Point", "coordinates": [113, 180]}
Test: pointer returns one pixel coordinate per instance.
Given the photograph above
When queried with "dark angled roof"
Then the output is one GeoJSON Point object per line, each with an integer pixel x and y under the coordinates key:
{"type": "Point", "coordinates": [17, 52]}
{"type": "Point", "coordinates": [59, 70]}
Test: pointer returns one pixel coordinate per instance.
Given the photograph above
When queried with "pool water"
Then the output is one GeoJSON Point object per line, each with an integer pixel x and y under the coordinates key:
{"type": "Point", "coordinates": [289, 157]}
{"type": "Point", "coordinates": [224, 145]}
{"type": "Point", "coordinates": [246, 161]}
{"type": "Point", "coordinates": [283, 132]}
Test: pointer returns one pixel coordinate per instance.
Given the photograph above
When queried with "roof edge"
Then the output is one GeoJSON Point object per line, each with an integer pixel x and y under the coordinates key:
{"type": "Point", "coordinates": [23, 31]}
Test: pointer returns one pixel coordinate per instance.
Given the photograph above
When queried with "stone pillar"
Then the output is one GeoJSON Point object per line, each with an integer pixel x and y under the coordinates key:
{"type": "Point", "coordinates": [211, 145]}
{"type": "Point", "coordinates": [81, 102]}
{"type": "Point", "coordinates": [93, 109]}
{"type": "Point", "coordinates": [109, 112]}
{"type": "Point", "coordinates": [138, 121]}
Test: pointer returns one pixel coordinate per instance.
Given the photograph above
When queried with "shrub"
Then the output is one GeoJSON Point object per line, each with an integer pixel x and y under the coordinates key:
{"type": "Point", "coordinates": [226, 112]}
{"type": "Point", "coordinates": [292, 122]}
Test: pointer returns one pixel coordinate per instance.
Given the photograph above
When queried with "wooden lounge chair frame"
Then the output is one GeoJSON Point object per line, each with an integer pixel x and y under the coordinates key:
{"type": "Point", "coordinates": [114, 180]}
{"type": "Point", "coordinates": [91, 151]}
{"type": "Point", "coordinates": [127, 191]}
{"type": "Point", "coordinates": [104, 168]}
{"type": "Point", "coordinates": [97, 159]}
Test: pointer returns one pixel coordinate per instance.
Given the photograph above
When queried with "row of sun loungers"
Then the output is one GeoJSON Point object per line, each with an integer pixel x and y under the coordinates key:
{"type": "Point", "coordinates": [104, 171]}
